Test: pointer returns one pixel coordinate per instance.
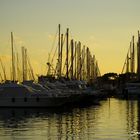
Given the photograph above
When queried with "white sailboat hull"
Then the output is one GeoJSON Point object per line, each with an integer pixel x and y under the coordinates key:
{"type": "Point", "coordinates": [32, 101]}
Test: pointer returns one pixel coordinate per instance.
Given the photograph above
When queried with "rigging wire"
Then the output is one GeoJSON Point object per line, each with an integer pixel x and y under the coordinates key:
{"type": "Point", "coordinates": [126, 60]}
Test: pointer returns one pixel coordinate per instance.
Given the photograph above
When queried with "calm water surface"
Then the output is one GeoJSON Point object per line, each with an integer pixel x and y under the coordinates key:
{"type": "Point", "coordinates": [113, 119]}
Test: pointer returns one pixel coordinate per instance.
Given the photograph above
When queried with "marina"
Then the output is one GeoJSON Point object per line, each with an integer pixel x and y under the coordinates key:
{"type": "Point", "coordinates": [79, 83]}
{"type": "Point", "coordinates": [56, 88]}
{"type": "Point", "coordinates": [69, 70]}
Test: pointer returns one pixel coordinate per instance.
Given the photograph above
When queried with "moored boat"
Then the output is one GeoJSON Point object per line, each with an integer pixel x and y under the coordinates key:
{"type": "Point", "coordinates": [18, 95]}
{"type": "Point", "coordinates": [131, 90]}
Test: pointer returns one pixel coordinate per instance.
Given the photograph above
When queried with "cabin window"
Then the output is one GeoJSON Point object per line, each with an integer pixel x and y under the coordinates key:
{"type": "Point", "coordinates": [25, 99]}
{"type": "Point", "coordinates": [13, 100]}
{"type": "Point", "coordinates": [37, 99]}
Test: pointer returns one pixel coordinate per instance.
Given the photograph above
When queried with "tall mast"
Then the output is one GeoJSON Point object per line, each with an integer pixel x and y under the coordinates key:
{"type": "Point", "coordinates": [78, 62]}
{"type": "Point", "coordinates": [11, 73]}
{"type": "Point", "coordinates": [1, 77]}
{"type": "Point", "coordinates": [83, 63]}
{"type": "Point", "coordinates": [23, 62]}
{"type": "Point", "coordinates": [96, 70]}
{"type": "Point", "coordinates": [31, 70]}
{"type": "Point", "coordinates": [79, 71]}
{"type": "Point", "coordinates": [18, 70]}
{"type": "Point", "coordinates": [127, 64]}
{"type": "Point", "coordinates": [61, 53]}
{"type": "Point", "coordinates": [67, 57]}
{"type": "Point", "coordinates": [13, 63]}
{"type": "Point", "coordinates": [72, 59]}
{"type": "Point", "coordinates": [75, 59]}
{"type": "Point", "coordinates": [88, 64]}
{"type": "Point", "coordinates": [3, 68]}
{"type": "Point", "coordinates": [59, 49]}
{"type": "Point", "coordinates": [93, 67]}
{"type": "Point", "coordinates": [59, 42]}
{"type": "Point", "coordinates": [133, 57]}
{"type": "Point", "coordinates": [138, 56]}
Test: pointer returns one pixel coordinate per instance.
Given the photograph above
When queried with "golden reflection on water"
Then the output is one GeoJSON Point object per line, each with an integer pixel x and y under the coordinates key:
{"type": "Point", "coordinates": [113, 119]}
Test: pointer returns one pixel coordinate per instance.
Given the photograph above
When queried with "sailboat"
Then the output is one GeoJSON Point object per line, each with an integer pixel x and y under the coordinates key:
{"type": "Point", "coordinates": [28, 93]}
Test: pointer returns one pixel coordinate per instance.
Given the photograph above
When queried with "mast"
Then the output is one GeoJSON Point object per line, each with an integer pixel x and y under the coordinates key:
{"type": "Point", "coordinates": [13, 62]}
{"type": "Point", "coordinates": [75, 59]}
{"type": "Point", "coordinates": [97, 69]}
{"type": "Point", "coordinates": [67, 53]}
{"type": "Point", "coordinates": [48, 64]}
{"type": "Point", "coordinates": [138, 56]}
{"type": "Point", "coordinates": [83, 63]}
{"type": "Point", "coordinates": [127, 64]}
{"type": "Point", "coordinates": [92, 68]}
{"type": "Point", "coordinates": [59, 49]}
{"type": "Point", "coordinates": [59, 42]}
{"type": "Point", "coordinates": [3, 69]}
{"type": "Point", "coordinates": [11, 73]}
{"type": "Point", "coordinates": [80, 65]}
{"type": "Point", "coordinates": [78, 62]}
{"type": "Point", "coordinates": [1, 77]}
{"type": "Point", "coordinates": [23, 66]}
{"type": "Point", "coordinates": [18, 69]}
{"type": "Point", "coordinates": [72, 59]}
{"type": "Point", "coordinates": [61, 54]}
{"type": "Point", "coordinates": [88, 64]}
{"type": "Point", "coordinates": [31, 70]}
{"type": "Point", "coordinates": [25, 63]}
{"type": "Point", "coordinates": [133, 56]}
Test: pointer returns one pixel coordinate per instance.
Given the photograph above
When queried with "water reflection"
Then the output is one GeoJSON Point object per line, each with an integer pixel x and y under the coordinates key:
{"type": "Point", "coordinates": [138, 125]}
{"type": "Point", "coordinates": [112, 119]}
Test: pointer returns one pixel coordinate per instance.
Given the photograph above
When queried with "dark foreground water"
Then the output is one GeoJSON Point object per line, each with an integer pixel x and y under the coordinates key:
{"type": "Point", "coordinates": [113, 119]}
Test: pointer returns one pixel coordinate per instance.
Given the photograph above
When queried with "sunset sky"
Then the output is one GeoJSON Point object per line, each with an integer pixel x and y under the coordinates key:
{"type": "Point", "coordinates": [105, 26]}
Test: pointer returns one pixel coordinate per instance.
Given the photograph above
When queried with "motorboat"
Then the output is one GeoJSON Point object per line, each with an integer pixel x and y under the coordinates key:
{"type": "Point", "coordinates": [20, 95]}
{"type": "Point", "coordinates": [131, 89]}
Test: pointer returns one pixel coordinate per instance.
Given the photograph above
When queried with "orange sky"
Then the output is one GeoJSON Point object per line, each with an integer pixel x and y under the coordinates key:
{"type": "Point", "coordinates": [106, 27]}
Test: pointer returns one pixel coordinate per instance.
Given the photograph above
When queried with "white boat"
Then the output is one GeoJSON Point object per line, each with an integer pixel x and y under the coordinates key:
{"type": "Point", "coordinates": [76, 90]}
{"type": "Point", "coordinates": [132, 89]}
{"type": "Point", "coordinates": [18, 95]}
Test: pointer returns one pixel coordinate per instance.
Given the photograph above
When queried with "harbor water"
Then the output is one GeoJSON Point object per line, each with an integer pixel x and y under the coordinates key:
{"type": "Point", "coordinates": [111, 119]}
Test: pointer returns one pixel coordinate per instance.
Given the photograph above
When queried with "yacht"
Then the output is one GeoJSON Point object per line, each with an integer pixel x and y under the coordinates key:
{"type": "Point", "coordinates": [20, 95]}
{"type": "Point", "coordinates": [132, 89]}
